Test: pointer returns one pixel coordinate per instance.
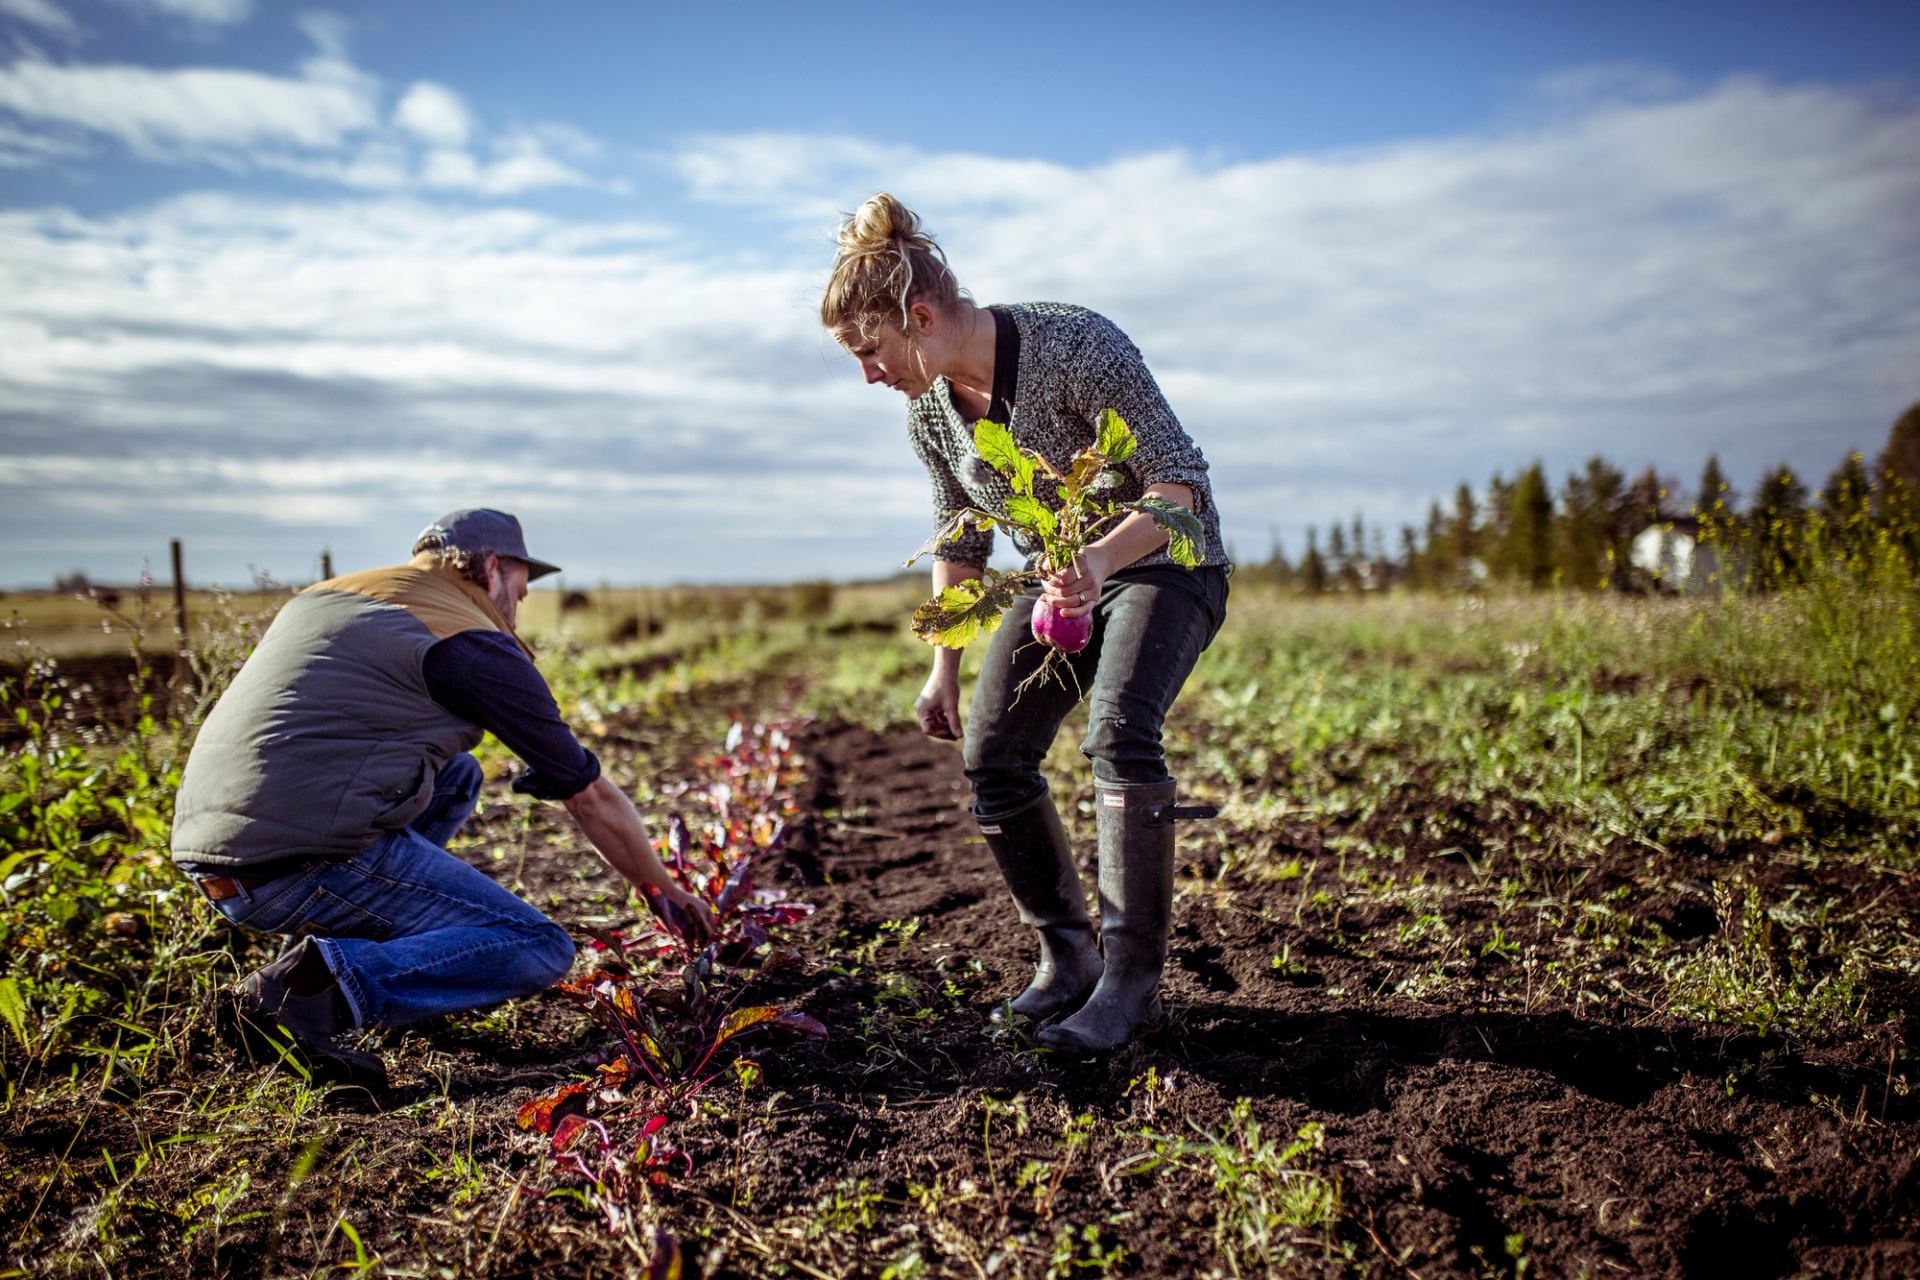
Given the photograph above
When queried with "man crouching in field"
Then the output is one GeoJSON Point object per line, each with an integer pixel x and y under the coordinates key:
{"type": "Point", "coordinates": [324, 787]}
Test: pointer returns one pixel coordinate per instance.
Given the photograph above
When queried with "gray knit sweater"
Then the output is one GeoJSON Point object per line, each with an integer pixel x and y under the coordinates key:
{"type": "Point", "coordinates": [1074, 363]}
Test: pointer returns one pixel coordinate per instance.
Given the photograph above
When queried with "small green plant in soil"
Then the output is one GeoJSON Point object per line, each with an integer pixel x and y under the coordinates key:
{"type": "Point", "coordinates": [1765, 973]}
{"type": "Point", "coordinates": [1270, 1199]}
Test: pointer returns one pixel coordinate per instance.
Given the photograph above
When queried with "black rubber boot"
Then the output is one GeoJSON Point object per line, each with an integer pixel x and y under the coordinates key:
{"type": "Point", "coordinates": [298, 991]}
{"type": "Point", "coordinates": [1136, 905]}
{"type": "Point", "coordinates": [1037, 863]}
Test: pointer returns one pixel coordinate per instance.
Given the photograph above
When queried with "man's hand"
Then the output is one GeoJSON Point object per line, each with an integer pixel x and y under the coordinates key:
{"type": "Point", "coordinates": [620, 838]}
{"type": "Point", "coordinates": [684, 915]}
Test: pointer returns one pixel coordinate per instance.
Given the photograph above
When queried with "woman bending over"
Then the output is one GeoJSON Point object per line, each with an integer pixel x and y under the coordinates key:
{"type": "Point", "coordinates": [1047, 371]}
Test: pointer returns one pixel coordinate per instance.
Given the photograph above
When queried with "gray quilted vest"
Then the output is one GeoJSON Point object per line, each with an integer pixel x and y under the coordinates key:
{"type": "Point", "coordinates": [328, 738]}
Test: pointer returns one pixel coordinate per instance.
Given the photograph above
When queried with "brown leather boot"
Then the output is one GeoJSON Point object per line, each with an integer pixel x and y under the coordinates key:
{"type": "Point", "coordinates": [299, 991]}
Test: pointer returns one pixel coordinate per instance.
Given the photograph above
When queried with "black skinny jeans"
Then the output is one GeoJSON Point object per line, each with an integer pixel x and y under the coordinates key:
{"type": "Point", "coordinates": [1150, 626]}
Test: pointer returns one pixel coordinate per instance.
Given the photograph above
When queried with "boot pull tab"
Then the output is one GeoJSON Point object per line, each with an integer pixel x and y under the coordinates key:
{"type": "Point", "coordinates": [1160, 813]}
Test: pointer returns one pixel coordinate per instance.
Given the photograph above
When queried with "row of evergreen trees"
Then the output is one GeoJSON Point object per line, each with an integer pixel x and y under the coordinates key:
{"type": "Point", "coordinates": [1521, 534]}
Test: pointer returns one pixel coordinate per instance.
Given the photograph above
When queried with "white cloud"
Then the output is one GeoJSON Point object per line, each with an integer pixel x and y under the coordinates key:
{"type": "Point", "coordinates": [805, 176]}
{"type": "Point", "coordinates": [234, 353]}
{"type": "Point", "coordinates": [520, 162]}
{"type": "Point", "coordinates": [212, 13]}
{"type": "Point", "coordinates": [1607, 84]}
{"type": "Point", "coordinates": [434, 114]}
{"type": "Point", "coordinates": [1719, 271]}
{"type": "Point", "coordinates": [450, 168]}
{"type": "Point", "coordinates": [324, 124]}
{"type": "Point", "coordinates": [44, 14]}
{"type": "Point", "coordinates": [1652, 278]}
{"type": "Point", "coordinates": [23, 150]}
{"type": "Point", "coordinates": [328, 31]}
{"type": "Point", "coordinates": [191, 112]}
{"type": "Point", "coordinates": [516, 165]}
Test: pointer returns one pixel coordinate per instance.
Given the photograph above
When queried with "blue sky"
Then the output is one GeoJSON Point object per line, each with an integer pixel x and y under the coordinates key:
{"type": "Point", "coordinates": [275, 278]}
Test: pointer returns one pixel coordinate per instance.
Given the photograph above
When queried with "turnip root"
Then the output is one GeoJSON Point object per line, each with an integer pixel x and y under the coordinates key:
{"type": "Point", "coordinates": [1069, 635]}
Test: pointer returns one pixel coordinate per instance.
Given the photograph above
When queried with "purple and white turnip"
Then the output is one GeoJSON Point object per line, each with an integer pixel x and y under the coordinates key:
{"type": "Point", "coordinates": [1052, 627]}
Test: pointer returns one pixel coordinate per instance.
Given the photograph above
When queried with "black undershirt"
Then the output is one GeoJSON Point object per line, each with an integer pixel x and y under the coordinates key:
{"type": "Point", "coordinates": [486, 679]}
{"type": "Point", "coordinates": [1006, 367]}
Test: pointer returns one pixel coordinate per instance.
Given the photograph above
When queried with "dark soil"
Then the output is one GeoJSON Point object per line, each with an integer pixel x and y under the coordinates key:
{"type": "Point", "coordinates": [1612, 1143]}
{"type": "Point", "coordinates": [1474, 1131]}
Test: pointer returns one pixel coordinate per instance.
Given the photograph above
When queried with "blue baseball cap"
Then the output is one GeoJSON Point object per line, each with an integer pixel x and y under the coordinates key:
{"type": "Point", "coordinates": [482, 531]}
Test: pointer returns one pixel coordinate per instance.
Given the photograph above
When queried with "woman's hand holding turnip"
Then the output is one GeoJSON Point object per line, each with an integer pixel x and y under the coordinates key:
{"type": "Point", "coordinates": [1074, 593]}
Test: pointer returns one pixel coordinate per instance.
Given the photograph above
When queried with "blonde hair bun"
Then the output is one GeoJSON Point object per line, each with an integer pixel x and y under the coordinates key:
{"type": "Point", "coordinates": [886, 262]}
{"type": "Point", "coordinates": [872, 223]}
{"type": "Point", "coordinates": [877, 223]}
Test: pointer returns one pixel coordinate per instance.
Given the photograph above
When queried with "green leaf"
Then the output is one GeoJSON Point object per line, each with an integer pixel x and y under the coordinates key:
{"type": "Point", "coordinates": [1022, 477]}
{"type": "Point", "coordinates": [1115, 437]}
{"type": "Point", "coordinates": [1034, 514]}
{"type": "Point", "coordinates": [361, 1261]}
{"type": "Point", "coordinates": [743, 1019]}
{"type": "Point", "coordinates": [1184, 529]}
{"type": "Point", "coordinates": [13, 1008]}
{"type": "Point", "coordinates": [994, 442]}
{"type": "Point", "coordinates": [965, 611]}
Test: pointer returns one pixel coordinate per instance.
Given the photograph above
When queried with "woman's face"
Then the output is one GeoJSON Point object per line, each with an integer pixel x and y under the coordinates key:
{"type": "Point", "coordinates": [886, 356]}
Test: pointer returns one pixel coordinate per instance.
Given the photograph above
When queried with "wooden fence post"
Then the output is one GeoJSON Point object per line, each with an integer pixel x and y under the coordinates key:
{"type": "Point", "coordinates": [326, 565]}
{"type": "Point", "coordinates": [179, 597]}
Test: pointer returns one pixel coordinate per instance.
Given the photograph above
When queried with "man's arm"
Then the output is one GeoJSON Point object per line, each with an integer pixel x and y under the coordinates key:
{"type": "Point", "coordinates": [611, 822]}
{"type": "Point", "coordinates": [484, 678]}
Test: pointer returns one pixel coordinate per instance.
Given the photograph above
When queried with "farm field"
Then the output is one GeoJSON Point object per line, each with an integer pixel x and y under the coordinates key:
{"type": "Point", "coordinates": [1538, 936]}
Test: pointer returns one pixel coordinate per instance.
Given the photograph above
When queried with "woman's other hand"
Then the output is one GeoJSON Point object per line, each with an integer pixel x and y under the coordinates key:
{"type": "Point", "coordinates": [938, 707]}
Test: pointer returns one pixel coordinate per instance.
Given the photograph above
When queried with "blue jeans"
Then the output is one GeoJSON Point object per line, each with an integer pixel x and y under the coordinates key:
{"type": "Point", "coordinates": [1150, 627]}
{"type": "Point", "coordinates": [409, 930]}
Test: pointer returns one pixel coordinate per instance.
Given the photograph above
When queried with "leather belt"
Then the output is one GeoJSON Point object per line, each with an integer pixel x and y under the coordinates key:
{"type": "Point", "coordinates": [220, 888]}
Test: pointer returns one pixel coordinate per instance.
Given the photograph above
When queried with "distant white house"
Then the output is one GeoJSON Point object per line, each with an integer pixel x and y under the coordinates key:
{"type": "Point", "coordinates": [1670, 555]}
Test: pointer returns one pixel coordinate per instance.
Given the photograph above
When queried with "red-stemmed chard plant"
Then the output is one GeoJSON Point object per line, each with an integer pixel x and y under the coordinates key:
{"type": "Point", "coordinates": [672, 1036]}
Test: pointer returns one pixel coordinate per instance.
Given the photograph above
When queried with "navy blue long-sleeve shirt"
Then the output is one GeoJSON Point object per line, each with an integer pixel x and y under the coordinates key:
{"type": "Point", "coordinates": [485, 678]}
